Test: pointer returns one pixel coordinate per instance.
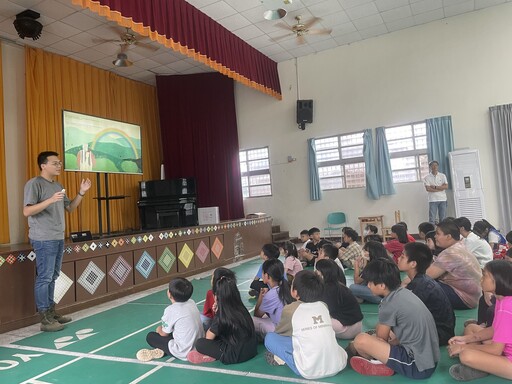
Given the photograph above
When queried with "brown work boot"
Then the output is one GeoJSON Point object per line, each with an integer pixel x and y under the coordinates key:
{"type": "Point", "coordinates": [48, 323]}
{"type": "Point", "coordinates": [57, 316]}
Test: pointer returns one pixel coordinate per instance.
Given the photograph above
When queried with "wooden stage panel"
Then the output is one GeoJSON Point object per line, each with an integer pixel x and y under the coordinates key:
{"type": "Point", "coordinates": [227, 242]}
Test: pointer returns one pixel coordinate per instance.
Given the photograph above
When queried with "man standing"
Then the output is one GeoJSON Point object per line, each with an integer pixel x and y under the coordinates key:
{"type": "Point", "coordinates": [436, 184]}
{"type": "Point", "coordinates": [44, 203]}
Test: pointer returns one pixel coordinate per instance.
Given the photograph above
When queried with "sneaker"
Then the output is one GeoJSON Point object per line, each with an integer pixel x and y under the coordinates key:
{"type": "Point", "coordinates": [370, 367]}
{"type": "Point", "coordinates": [198, 358]}
{"type": "Point", "coordinates": [253, 293]}
{"type": "Point", "coordinates": [57, 316]}
{"type": "Point", "coordinates": [48, 323]}
{"type": "Point", "coordinates": [273, 359]}
{"type": "Point", "coordinates": [461, 372]}
{"type": "Point", "coordinates": [149, 354]}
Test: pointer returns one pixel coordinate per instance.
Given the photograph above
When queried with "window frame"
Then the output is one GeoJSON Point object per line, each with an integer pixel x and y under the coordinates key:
{"type": "Point", "coordinates": [258, 172]}
{"type": "Point", "coordinates": [342, 162]}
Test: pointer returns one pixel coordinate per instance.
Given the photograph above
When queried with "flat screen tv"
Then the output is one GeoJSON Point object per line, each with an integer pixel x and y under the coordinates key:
{"type": "Point", "coordinates": [94, 144]}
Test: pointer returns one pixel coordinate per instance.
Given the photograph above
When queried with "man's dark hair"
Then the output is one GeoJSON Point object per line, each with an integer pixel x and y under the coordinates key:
{"type": "Point", "coordinates": [426, 227]}
{"type": "Point", "coordinates": [330, 251]}
{"type": "Point", "coordinates": [463, 222]}
{"type": "Point", "coordinates": [382, 271]}
{"type": "Point", "coordinates": [421, 254]}
{"type": "Point", "coordinates": [304, 232]}
{"type": "Point", "coordinates": [352, 234]}
{"type": "Point", "coordinates": [309, 286]}
{"type": "Point", "coordinates": [271, 251]}
{"type": "Point", "coordinates": [449, 228]}
{"type": "Point", "coordinates": [42, 158]}
{"type": "Point", "coordinates": [313, 230]}
{"type": "Point", "coordinates": [180, 289]}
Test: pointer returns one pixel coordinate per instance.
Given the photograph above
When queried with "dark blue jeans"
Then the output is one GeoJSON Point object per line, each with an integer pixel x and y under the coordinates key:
{"type": "Point", "coordinates": [48, 263]}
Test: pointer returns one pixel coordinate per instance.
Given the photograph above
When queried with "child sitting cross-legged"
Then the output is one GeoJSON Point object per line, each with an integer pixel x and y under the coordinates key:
{"type": "Point", "coordinates": [406, 339]}
{"type": "Point", "coordinates": [488, 350]}
{"type": "Point", "coordinates": [304, 338]}
{"type": "Point", "coordinates": [271, 301]}
{"type": "Point", "coordinates": [414, 261]}
{"type": "Point", "coordinates": [181, 325]}
{"type": "Point", "coordinates": [292, 264]}
{"type": "Point", "coordinates": [268, 251]}
{"type": "Point", "coordinates": [231, 337]}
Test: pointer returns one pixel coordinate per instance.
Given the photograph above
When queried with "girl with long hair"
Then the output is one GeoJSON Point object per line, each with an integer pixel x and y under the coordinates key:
{"type": "Point", "coordinates": [231, 337]}
{"type": "Point", "coordinates": [395, 246]}
{"type": "Point", "coordinates": [488, 350]}
{"type": "Point", "coordinates": [271, 301]}
{"type": "Point", "coordinates": [292, 264]}
{"type": "Point", "coordinates": [210, 307]}
{"type": "Point", "coordinates": [343, 306]}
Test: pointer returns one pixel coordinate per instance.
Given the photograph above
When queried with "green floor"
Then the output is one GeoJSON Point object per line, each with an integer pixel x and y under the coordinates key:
{"type": "Point", "coordinates": [101, 349]}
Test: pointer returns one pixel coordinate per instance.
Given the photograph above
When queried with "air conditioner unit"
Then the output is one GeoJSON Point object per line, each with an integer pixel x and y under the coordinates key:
{"type": "Point", "coordinates": [467, 185]}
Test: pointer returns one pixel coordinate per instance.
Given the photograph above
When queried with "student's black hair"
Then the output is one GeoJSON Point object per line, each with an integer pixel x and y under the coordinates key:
{"type": "Point", "coordinates": [448, 218]}
{"type": "Point", "coordinates": [335, 273]}
{"type": "Point", "coordinates": [463, 222]}
{"type": "Point", "coordinates": [271, 251]}
{"type": "Point", "coordinates": [220, 272]}
{"type": "Point", "coordinates": [509, 252]}
{"type": "Point", "coordinates": [421, 254]}
{"type": "Point", "coordinates": [479, 228]}
{"type": "Point", "coordinates": [404, 224]}
{"type": "Point", "coordinates": [304, 232]}
{"type": "Point", "coordinates": [432, 235]}
{"type": "Point", "coordinates": [449, 228]}
{"type": "Point", "coordinates": [508, 237]}
{"type": "Point", "coordinates": [352, 234]}
{"type": "Point", "coordinates": [373, 237]}
{"type": "Point", "coordinates": [372, 229]}
{"type": "Point", "coordinates": [313, 230]}
{"type": "Point", "coordinates": [42, 158]}
{"type": "Point", "coordinates": [330, 251]}
{"type": "Point", "coordinates": [345, 229]}
{"type": "Point", "coordinates": [180, 289]}
{"type": "Point", "coordinates": [382, 271]}
{"type": "Point", "coordinates": [376, 250]}
{"type": "Point", "coordinates": [309, 286]}
{"type": "Point", "coordinates": [290, 249]}
{"type": "Point", "coordinates": [501, 271]}
{"type": "Point", "coordinates": [426, 227]}
{"type": "Point", "coordinates": [401, 233]}
{"type": "Point", "coordinates": [232, 314]}
{"type": "Point", "coordinates": [275, 270]}
{"type": "Point", "coordinates": [322, 242]}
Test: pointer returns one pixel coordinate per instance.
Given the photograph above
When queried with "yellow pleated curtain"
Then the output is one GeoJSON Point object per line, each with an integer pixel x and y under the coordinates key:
{"type": "Point", "coordinates": [54, 83]}
{"type": "Point", "coordinates": [4, 214]}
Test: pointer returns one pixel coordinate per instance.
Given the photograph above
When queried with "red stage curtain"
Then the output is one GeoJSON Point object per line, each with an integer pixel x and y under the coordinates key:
{"type": "Point", "coordinates": [200, 138]}
{"type": "Point", "coordinates": [180, 26]}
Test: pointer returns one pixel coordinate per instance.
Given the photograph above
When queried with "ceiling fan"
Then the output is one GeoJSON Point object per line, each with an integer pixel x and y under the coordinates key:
{"type": "Point", "coordinates": [301, 29]}
{"type": "Point", "coordinates": [126, 40]}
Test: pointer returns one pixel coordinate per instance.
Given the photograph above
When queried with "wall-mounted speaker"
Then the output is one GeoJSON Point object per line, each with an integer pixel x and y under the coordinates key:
{"type": "Point", "coordinates": [304, 113]}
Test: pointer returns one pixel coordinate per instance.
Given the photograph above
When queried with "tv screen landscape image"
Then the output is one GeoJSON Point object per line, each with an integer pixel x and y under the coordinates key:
{"type": "Point", "coordinates": [94, 144]}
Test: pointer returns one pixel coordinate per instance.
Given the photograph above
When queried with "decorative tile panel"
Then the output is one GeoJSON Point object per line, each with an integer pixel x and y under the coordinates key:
{"type": "Point", "coordinates": [120, 270]}
{"type": "Point", "coordinates": [91, 278]}
{"type": "Point", "coordinates": [62, 285]}
{"type": "Point", "coordinates": [166, 260]}
{"type": "Point", "coordinates": [202, 252]}
{"type": "Point", "coordinates": [145, 265]}
{"type": "Point", "coordinates": [186, 255]}
{"type": "Point", "coordinates": [217, 248]}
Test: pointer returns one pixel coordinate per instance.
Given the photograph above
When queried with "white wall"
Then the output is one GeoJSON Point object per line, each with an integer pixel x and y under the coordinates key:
{"type": "Point", "coordinates": [458, 66]}
{"type": "Point", "coordinates": [13, 63]}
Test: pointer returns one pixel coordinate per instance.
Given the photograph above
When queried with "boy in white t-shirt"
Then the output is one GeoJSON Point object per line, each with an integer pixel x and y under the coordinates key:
{"type": "Point", "coordinates": [181, 325]}
{"type": "Point", "coordinates": [304, 338]}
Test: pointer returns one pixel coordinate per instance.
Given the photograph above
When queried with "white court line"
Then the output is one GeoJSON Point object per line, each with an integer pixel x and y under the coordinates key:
{"type": "Point", "coordinates": [149, 373]}
{"type": "Point", "coordinates": [161, 364]}
{"type": "Point", "coordinates": [98, 349]}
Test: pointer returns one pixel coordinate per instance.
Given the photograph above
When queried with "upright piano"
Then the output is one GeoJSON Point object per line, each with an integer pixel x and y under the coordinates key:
{"type": "Point", "coordinates": [167, 203]}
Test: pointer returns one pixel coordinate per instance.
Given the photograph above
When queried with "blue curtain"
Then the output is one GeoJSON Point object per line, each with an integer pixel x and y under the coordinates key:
{"type": "Point", "coordinates": [384, 174]}
{"type": "Point", "coordinates": [440, 143]}
{"type": "Point", "coordinates": [372, 185]}
{"type": "Point", "coordinates": [315, 193]}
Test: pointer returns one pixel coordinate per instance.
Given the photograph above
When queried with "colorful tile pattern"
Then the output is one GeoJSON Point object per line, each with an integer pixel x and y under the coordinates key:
{"type": "Point", "coordinates": [145, 265]}
{"type": "Point", "coordinates": [120, 270]}
{"type": "Point", "coordinates": [186, 255]}
{"type": "Point", "coordinates": [202, 252]}
{"type": "Point", "coordinates": [62, 285]}
{"type": "Point", "coordinates": [217, 248]}
{"type": "Point", "coordinates": [91, 278]}
{"type": "Point", "coordinates": [166, 260]}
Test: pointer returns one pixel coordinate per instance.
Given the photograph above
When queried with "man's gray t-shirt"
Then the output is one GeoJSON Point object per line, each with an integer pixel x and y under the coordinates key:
{"type": "Point", "coordinates": [48, 224]}
{"type": "Point", "coordinates": [413, 325]}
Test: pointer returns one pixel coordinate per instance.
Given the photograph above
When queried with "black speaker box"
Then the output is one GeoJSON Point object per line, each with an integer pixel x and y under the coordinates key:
{"type": "Point", "coordinates": [80, 236]}
{"type": "Point", "coordinates": [304, 111]}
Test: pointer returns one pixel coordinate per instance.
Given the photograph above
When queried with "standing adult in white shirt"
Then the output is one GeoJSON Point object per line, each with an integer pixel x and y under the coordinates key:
{"type": "Point", "coordinates": [474, 243]}
{"type": "Point", "coordinates": [436, 184]}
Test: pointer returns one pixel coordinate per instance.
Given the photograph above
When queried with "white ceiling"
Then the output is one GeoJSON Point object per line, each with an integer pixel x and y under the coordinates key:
{"type": "Point", "coordinates": [69, 30]}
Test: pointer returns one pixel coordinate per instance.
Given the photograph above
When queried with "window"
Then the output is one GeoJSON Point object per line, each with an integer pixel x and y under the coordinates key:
{"type": "Point", "coordinates": [340, 161]}
{"type": "Point", "coordinates": [255, 172]}
{"type": "Point", "coordinates": [407, 146]}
